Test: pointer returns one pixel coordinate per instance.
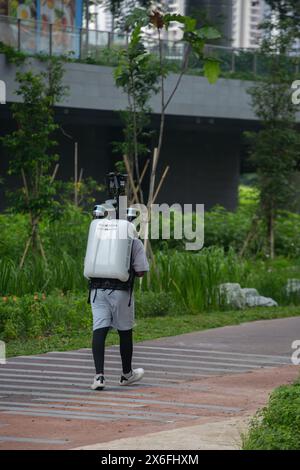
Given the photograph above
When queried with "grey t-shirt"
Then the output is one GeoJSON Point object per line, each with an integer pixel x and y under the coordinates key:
{"type": "Point", "coordinates": [139, 258]}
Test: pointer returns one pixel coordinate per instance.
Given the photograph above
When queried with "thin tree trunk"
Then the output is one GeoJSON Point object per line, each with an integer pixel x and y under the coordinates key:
{"type": "Point", "coordinates": [34, 237]}
{"type": "Point", "coordinates": [271, 233]}
{"type": "Point", "coordinates": [161, 129]}
{"type": "Point", "coordinates": [251, 234]}
{"type": "Point", "coordinates": [135, 140]}
{"type": "Point", "coordinates": [76, 174]}
{"type": "Point", "coordinates": [41, 248]}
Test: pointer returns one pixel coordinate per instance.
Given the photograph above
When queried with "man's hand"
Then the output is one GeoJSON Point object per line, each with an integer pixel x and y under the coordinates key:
{"type": "Point", "coordinates": [140, 274]}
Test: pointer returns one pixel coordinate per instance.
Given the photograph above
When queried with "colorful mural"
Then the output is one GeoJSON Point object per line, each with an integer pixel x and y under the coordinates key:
{"type": "Point", "coordinates": [65, 16]}
{"type": "Point", "coordinates": [25, 10]}
{"type": "Point", "coordinates": [62, 15]}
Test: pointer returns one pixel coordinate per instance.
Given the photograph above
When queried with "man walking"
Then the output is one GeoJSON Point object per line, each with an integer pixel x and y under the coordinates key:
{"type": "Point", "coordinates": [114, 308]}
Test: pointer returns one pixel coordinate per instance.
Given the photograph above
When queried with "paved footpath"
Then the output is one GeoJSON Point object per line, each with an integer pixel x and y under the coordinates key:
{"type": "Point", "coordinates": [198, 392]}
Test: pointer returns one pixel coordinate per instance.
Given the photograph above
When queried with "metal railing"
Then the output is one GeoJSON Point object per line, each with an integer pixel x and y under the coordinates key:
{"type": "Point", "coordinates": [36, 37]}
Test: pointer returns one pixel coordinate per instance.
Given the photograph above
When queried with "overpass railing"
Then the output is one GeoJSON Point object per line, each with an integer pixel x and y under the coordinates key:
{"type": "Point", "coordinates": [37, 37]}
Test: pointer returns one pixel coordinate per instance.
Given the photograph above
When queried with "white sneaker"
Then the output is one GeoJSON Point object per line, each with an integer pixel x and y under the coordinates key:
{"type": "Point", "coordinates": [136, 375]}
{"type": "Point", "coordinates": [99, 382]}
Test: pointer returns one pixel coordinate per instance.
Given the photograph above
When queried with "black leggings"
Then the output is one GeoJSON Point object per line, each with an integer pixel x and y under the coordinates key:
{"type": "Point", "coordinates": [98, 347]}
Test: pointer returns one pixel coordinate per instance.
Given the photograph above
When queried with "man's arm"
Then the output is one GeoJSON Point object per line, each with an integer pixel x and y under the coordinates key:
{"type": "Point", "coordinates": [139, 259]}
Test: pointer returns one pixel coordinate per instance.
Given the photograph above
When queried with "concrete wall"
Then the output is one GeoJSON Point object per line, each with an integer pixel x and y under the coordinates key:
{"type": "Point", "coordinates": [202, 139]}
{"type": "Point", "coordinates": [92, 87]}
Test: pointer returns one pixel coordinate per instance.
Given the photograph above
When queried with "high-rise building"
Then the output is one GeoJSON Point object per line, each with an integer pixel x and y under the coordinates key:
{"type": "Point", "coordinates": [104, 21]}
{"type": "Point", "coordinates": [247, 15]}
{"type": "Point", "coordinates": [237, 20]}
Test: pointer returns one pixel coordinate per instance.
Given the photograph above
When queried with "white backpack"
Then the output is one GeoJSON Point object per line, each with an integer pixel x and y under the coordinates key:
{"type": "Point", "coordinates": [109, 246]}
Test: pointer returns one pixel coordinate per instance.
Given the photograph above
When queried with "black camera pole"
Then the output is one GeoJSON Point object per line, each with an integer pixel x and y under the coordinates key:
{"type": "Point", "coordinates": [116, 187]}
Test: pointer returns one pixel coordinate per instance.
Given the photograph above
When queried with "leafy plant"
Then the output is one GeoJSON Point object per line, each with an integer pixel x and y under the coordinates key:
{"type": "Point", "coordinates": [12, 55]}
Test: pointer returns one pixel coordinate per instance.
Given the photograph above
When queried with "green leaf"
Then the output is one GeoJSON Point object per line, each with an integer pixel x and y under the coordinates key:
{"type": "Point", "coordinates": [190, 24]}
{"type": "Point", "coordinates": [138, 16]}
{"type": "Point", "coordinates": [212, 70]}
{"type": "Point", "coordinates": [209, 33]}
{"type": "Point", "coordinates": [136, 36]}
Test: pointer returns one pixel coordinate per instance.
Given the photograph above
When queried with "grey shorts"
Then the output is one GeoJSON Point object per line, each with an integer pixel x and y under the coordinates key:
{"type": "Point", "coordinates": [110, 309]}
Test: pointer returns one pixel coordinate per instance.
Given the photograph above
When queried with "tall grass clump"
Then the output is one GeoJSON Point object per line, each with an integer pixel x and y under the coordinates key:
{"type": "Point", "coordinates": [194, 278]}
{"type": "Point", "coordinates": [62, 272]}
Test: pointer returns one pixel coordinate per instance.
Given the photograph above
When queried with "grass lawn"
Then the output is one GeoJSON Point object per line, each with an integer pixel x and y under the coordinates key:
{"type": "Point", "coordinates": [150, 328]}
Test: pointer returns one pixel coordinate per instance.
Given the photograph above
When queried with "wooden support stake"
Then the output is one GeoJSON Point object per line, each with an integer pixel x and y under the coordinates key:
{"type": "Point", "coordinates": [152, 178]}
{"type": "Point", "coordinates": [54, 173]}
{"type": "Point", "coordinates": [160, 184]}
{"type": "Point", "coordinates": [142, 175]}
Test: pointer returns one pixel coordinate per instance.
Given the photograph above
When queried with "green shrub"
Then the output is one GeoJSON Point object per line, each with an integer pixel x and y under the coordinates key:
{"type": "Point", "coordinates": [277, 426]}
{"type": "Point", "coordinates": [148, 304]}
{"type": "Point", "coordinates": [13, 229]}
{"type": "Point", "coordinates": [32, 316]}
{"type": "Point", "coordinates": [287, 230]}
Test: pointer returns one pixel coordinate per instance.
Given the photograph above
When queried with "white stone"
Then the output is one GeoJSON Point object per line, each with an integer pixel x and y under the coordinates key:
{"type": "Point", "coordinates": [260, 301]}
{"type": "Point", "coordinates": [232, 294]}
{"type": "Point", "coordinates": [249, 292]}
{"type": "Point", "coordinates": [240, 298]}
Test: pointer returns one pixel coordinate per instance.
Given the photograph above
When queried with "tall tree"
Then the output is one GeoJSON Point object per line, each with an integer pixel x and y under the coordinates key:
{"type": "Point", "coordinates": [284, 18]}
{"type": "Point", "coordinates": [286, 9]}
{"type": "Point", "coordinates": [276, 147]}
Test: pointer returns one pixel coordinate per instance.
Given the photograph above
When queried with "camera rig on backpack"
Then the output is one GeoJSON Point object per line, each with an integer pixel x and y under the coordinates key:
{"type": "Point", "coordinates": [116, 187]}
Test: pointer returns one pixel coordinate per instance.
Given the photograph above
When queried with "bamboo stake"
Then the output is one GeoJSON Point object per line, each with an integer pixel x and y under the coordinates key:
{"type": "Point", "coordinates": [41, 248]}
{"type": "Point", "coordinates": [160, 184]}
{"type": "Point", "coordinates": [25, 251]}
{"type": "Point", "coordinates": [142, 176]}
{"type": "Point", "coordinates": [54, 173]}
